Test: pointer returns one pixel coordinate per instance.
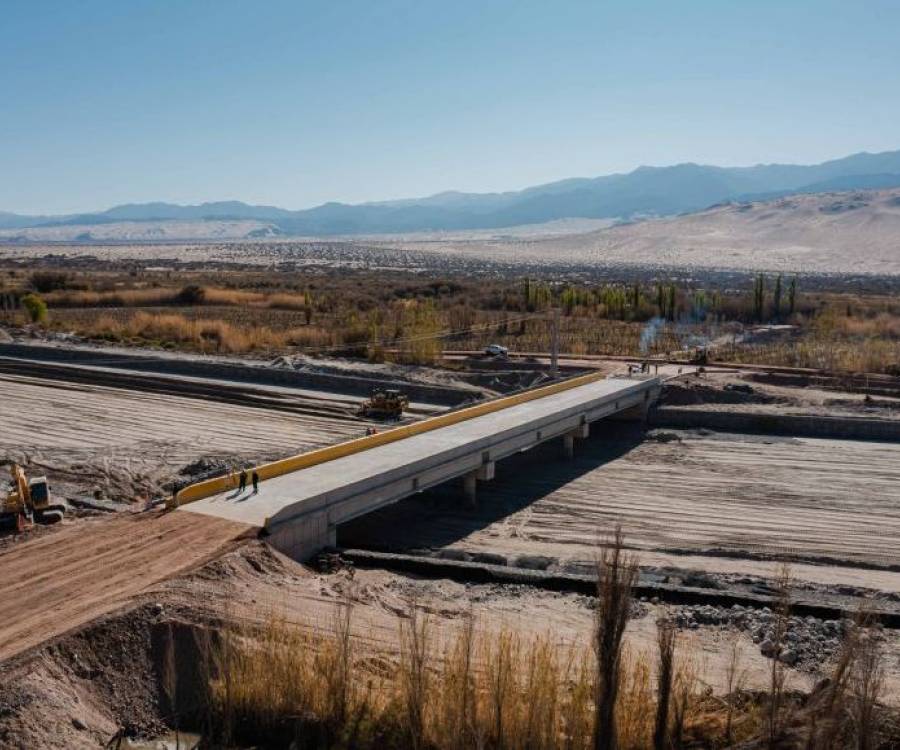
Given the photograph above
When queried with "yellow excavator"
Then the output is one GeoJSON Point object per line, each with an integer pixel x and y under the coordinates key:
{"type": "Point", "coordinates": [28, 503]}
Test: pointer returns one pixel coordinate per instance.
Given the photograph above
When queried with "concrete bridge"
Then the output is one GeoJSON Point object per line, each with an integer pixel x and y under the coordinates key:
{"type": "Point", "coordinates": [303, 499]}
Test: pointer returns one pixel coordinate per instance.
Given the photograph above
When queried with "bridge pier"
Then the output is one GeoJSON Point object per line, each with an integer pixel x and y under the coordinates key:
{"type": "Point", "coordinates": [470, 489]}
{"type": "Point", "coordinates": [484, 473]}
{"type": "Point", "coordinates": [579, 433]}
{"type": "Point", "coordinates": [636, 413]}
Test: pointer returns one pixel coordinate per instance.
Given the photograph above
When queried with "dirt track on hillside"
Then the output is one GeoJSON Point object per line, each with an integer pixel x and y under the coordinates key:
{"type": "Point", "coordinates": [64, 578]}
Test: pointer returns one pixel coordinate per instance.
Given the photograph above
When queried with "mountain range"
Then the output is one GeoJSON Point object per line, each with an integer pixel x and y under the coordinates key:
{"type": "Point", "coordinates": [646, 191]}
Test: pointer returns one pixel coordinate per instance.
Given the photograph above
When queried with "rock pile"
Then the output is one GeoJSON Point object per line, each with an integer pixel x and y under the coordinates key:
{"type": "Point", "coordinates": [806, 643]}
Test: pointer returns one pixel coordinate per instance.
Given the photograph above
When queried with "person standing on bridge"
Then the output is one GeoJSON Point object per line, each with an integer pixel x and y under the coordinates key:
{"type": "Point", "coordinates": [255, 479]}
{"type": "Point", "coordinates": [242, 481]}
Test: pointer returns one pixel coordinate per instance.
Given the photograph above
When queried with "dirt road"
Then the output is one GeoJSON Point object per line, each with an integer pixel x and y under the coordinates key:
{"type": "Point", "coordinates": [64, 578]}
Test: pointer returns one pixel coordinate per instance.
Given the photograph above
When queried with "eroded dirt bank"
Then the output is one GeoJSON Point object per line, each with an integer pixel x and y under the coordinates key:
{"type": "Point", "coordinates": [64, 578]}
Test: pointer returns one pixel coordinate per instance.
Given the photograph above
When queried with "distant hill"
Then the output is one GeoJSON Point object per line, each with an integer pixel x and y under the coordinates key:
{"type": "Point", "coordinates": [850, 232]}
{"type": "Point", "coordinates": [647, 191]}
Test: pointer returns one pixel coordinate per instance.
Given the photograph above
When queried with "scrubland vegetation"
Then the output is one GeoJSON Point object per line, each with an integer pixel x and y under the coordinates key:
{"type": "Point", "coordinates": [413, 318]}
{"type": "Point", "coordinates": [843, 335]}
{"type": "Point", "coordinates": [477, 687]}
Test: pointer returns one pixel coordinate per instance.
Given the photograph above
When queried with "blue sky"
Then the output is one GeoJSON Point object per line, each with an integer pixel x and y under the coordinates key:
{"type": "Point", "coordinates": [298, 103]}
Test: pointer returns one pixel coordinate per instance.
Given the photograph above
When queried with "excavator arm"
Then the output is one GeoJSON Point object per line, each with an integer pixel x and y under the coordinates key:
{"type": "Point", "coordinates": [20, 484]}
{"type": "Point", "coordinates": [16, 511]}
{"type": "Point", "coordinates": [29, 501]}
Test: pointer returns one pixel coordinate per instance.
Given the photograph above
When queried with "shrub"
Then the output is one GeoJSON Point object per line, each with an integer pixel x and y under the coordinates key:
{"type": "Point", "coordinates": [35, 307]}
{"type": "Point", "coordinates": [48, 281]}
{"type": "Point", "coordinates": [192, 294]}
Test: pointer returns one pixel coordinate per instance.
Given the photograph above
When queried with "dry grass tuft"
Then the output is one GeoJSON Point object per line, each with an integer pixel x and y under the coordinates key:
{"type": "Point", "coordinates": [616, 575]}
{"type": "Point", "coordinates": [471, 688]}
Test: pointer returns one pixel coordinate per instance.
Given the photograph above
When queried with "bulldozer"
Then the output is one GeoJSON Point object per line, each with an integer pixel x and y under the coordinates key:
{"type": "Point", "coordinates": [387, 403]}
{"type": "Point", "coordinates": [28, 503]}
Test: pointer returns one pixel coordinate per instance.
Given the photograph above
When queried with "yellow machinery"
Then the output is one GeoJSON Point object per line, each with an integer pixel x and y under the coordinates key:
{"type": "Point", "coordinates": [385, 404]}
{"type": "Point", "coordinates": [29, 502]}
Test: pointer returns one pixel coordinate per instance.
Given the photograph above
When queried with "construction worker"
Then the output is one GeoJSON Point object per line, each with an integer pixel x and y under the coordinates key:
{"type": "Point", "coordinates": [242, 481]}
{"type": "Point", "coordinates": [255, 480]}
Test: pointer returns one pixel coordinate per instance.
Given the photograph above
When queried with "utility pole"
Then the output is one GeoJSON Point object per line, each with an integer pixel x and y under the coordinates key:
{"type": "Point", "coordinates": [554, 344]}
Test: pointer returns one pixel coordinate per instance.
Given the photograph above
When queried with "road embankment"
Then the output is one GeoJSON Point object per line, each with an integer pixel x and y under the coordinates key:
{"type": "Point", "coordinates": [837, 427]}
{"type": "Point", "coordinates": [220, 369]}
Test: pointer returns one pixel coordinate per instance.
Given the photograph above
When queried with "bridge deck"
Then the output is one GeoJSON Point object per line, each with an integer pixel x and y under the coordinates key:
{"type": "Point", "coordinates": [431, 457]}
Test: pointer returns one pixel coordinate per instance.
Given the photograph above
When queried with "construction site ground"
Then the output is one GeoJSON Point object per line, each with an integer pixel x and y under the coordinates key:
{"type": "Point", "coordinates": [724, 506]}
{"type": "Point", "coordinates": [715, 502]}
{"type": "Point", "coordinates": [127, 444]}
{"type": "Point", "coordinates": [78, 690]}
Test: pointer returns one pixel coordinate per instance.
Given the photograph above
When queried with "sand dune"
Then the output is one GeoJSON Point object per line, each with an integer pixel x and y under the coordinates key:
{"type": "Point", "coordinates": [855, 232]}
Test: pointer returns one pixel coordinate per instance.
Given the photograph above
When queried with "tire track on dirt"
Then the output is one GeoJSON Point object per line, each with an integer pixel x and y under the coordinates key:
{"type": "Point", "coordinates": [807, 499]}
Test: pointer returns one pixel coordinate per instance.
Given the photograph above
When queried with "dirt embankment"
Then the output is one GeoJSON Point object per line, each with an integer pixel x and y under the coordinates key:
{"type": "Point", "coordinates": [779, 404]}
{"type": "Point", "coordinates": [756, 392]}
{"type": "Point", "coordinates": [355, 379]}
{"type": "Point", "coordinates": [64, 578]}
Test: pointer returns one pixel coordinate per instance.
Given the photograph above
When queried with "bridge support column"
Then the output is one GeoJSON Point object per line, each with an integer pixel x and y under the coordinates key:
{"type": "Point", "coordinates": [470, 488]}
{"type": "Point", "coordinates": [569, 445]}
{"type": "Point", "coordinates": [579, 433]}
{"type": "Point", "coordinates": [484, 473]}
{"type": "Point", "coordinates": [638, 412]}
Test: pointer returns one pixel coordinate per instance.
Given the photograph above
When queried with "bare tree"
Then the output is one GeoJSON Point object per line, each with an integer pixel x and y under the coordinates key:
{"type": "Point", "coordinates": [775, 715]}
{"type": "Point", "coordinates": [735, 677]}
{"type": "Point", "coordinates": [665, 637]}
{"type": "Point", "coordinates": [616, 575]}
{"type": "Point", "coordinates": [339, 677]}
{"type": "Point", "coordinates": [414, 650]}
{"type": "Point", "coordinates": [867, 681]}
